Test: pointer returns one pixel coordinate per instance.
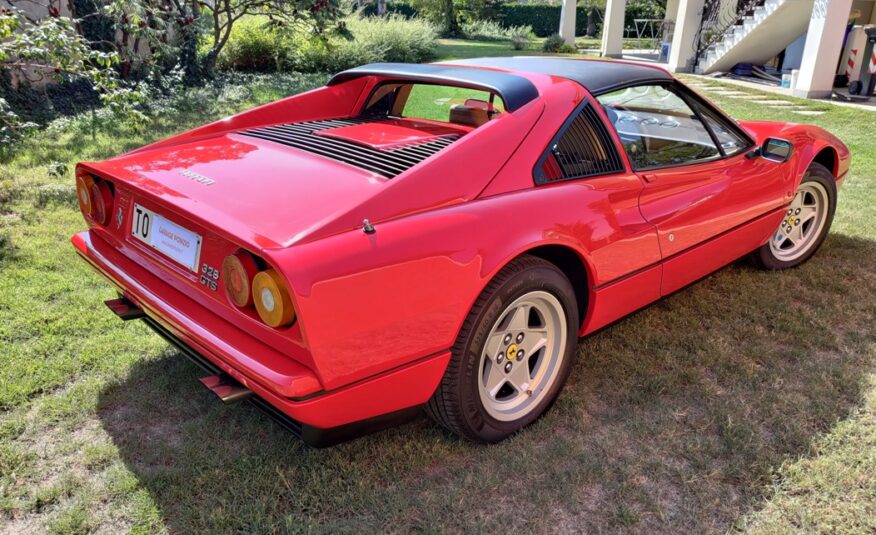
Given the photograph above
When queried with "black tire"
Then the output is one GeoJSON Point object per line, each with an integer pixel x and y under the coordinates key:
{"type": "Point", "coordinates": [764, 258]}
{"type": "Point", "coordinates": [456, 403]}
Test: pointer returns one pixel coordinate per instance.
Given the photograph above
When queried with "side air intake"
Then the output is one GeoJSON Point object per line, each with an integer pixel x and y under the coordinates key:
{"type": "Point", "coordinates": [388, 163]}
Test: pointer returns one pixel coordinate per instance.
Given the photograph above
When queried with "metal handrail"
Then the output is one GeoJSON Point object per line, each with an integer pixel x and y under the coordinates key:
{"type": "Point", "coordinates": [719, 18]}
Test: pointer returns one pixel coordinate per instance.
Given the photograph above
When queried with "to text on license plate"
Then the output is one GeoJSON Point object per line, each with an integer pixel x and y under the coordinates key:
{"type": "Point", "coordinates": [178, 243]}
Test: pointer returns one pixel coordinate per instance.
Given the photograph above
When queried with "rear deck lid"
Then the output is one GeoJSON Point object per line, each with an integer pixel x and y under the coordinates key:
{"type": "Point", "coordinates": [392, 134]}
{"type": "Point", "coordinates": [262, 192]}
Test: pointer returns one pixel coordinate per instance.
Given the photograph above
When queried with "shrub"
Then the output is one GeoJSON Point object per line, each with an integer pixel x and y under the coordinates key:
{"type": "Point", "coordinates": [317, 55]}
{"type": "Point", "coordinates": [255, 45]}
{"type": "Point", "coordinates": [400, 39]}
{"type": "Point", "coordinates": [519, 42]}
{"type": "Point", "coordinates": [391, 38]}
{"type": "Point", "coordinates": [491, 30]}
{"type": "Point", "coordinates": [404, 9]}
{"type": "Point", "coordinates": [553, 43]}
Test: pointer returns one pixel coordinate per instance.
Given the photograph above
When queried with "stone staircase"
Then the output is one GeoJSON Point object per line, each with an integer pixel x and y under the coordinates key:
{"type": "Point", "coordinates": [758, 34]}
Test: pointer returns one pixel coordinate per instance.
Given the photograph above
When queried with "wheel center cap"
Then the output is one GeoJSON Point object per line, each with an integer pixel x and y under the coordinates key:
{"type": "Point", "coordinates": [511, 352]}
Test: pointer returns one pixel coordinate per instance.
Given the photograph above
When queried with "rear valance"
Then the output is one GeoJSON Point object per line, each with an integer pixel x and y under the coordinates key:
{"type": "Point", "coordinates": [515, 91]}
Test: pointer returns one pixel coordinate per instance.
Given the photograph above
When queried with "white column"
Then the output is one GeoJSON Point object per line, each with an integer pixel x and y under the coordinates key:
{"type": "Point", "coordinates": [687, 23]}
{"type": "Point", "coordinates": [824, 42]}
{"type": "Point", "coordinates": [613, 28]}
{"type": "Point", "coordinates": [567, 21]}
{"type": "Point", "coordinates": [671, 10]}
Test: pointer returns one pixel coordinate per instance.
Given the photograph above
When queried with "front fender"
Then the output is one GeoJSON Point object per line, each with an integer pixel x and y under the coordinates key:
{"type": "Point", "coordinates": [808, 140]}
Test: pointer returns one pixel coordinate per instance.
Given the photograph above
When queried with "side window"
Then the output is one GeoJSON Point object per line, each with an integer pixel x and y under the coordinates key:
{"type": "Point", "coordinates": [732, 142]}
{"type": "Point", "coordinates": [657, 128]}
{"type": "Point", "coordinates": [582, 148]}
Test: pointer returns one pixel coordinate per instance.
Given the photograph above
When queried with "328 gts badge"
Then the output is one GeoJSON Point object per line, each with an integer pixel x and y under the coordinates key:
{"type": "Point", "coordinates": [209, 276]}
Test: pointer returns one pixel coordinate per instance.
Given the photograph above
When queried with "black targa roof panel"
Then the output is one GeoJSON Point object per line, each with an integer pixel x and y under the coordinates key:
{"type": "Point", "coordinates": [515, 90]}
{"type": "Point", "coordinates": [598, 76]}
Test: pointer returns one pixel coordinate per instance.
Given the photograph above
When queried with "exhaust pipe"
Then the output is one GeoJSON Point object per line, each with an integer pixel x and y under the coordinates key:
{"type": "Point", "coordinates": [223, 385]}
{"type": "Point", "coordinates": [125, 309]}
{"type": "Point", "coordinates": [226, 388]}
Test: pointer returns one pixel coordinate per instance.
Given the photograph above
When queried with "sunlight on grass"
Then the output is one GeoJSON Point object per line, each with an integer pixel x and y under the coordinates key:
{"type": "Point", "coordinates": [745, 400]}
{"type": "Point", "coordinates": [462, 48]}
{"type": "Point", "coordinates": [434, 101]}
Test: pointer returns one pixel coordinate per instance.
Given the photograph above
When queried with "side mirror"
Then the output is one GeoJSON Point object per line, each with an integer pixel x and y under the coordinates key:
{"type": "Point", "coordinates": [776, 150]}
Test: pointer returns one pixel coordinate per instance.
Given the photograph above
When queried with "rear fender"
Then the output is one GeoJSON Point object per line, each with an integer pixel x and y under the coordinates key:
{"type": "Point", "coordinates": [372, 302]}
{"type": "Point", "coordinates": [368, 302]}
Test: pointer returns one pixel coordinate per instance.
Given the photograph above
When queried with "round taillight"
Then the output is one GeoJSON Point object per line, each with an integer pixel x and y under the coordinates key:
{"type": "Point", "coordinates": [271, 299]}
{"type": "Point", "coordinates": [83, 193]}
{"type": "Point", "coordinates": [238, 271]}
{"type": "Point", "coordinates": [101, 202]}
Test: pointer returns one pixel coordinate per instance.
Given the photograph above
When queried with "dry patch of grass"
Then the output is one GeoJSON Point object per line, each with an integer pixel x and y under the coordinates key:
{"type": "Point", "coordinates": [743, 402]}
{"type": "Point", "coordinates": [834, 490]}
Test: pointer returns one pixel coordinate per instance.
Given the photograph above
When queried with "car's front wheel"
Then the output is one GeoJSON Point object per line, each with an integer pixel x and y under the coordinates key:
{"type": "Point", "coordinates": [805, 224]}
{"type": "Point", "coordinates": [512, 355]}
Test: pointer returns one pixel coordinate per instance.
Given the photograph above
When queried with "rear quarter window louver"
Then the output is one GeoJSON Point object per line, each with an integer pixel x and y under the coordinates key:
{"type": "Point", "coordinates": [387, 163]}
{"type": "Point", "coordinates": [582, 148]}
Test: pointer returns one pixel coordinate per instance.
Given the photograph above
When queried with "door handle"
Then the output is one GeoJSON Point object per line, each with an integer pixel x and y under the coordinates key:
{"type": "Point", "coordinates": [649, 177]}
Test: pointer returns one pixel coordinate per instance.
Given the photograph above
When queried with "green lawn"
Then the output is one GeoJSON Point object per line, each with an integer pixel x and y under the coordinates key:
{"type": "Point", "coordinates": [747, 401]}
{"type": "Point", "coordinates": [463, 48]}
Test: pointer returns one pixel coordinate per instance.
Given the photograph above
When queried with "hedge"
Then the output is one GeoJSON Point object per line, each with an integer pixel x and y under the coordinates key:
{"type": "Point", "coordinates": [545, 18]}
{"type": "Point", "coordinates": [404, 9]}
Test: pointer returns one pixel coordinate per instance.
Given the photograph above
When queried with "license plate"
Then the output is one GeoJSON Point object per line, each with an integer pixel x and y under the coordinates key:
{"type": "Point", "coordinates": [165, 236]}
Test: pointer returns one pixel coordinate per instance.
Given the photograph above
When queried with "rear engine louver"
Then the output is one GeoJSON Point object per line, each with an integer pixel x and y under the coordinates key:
{"type": "Point", "coordinates": [388, 163]}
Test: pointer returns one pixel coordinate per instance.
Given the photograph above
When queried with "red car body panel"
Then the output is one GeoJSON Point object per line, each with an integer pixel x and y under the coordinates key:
{"type": "Point", "coordinates": [394, 133]}
{"type": "Point", "coordinates": [378, 312]}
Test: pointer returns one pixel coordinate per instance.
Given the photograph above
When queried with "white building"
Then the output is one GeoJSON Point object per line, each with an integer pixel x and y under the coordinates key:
{"type": "Point", "coordinates": [715, 35]}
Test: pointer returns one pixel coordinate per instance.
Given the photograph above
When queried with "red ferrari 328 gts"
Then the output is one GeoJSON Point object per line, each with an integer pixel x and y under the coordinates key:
{"type": "Point", "coordinates": [439, 236]}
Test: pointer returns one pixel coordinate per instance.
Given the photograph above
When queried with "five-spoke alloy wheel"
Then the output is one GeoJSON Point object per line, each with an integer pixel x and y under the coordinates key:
{"type": "Point", "coordinates": [516, 346]}
{"type": "Point", "coordinates": [805, 223]}
{"type": "Point", "coordinates": [523, 355]}
{"type": "Point", "coordinates": [513, 353]}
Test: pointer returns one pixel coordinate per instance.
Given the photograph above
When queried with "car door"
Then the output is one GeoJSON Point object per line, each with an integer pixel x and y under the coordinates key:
{"type": "Point", "coordinates": [698, 183]}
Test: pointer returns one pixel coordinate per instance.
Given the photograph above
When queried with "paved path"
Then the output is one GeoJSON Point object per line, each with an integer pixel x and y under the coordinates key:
{"type": "Point", "coordinates": [728, 87]}
{"type": "Point", "coordinates": [711, 86]}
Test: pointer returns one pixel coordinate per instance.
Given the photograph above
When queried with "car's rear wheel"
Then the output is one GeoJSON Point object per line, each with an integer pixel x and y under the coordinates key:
{"type": "Point", "coordinates": [805, 224]}
{"type": "Point", "coordinates": [512, 355]}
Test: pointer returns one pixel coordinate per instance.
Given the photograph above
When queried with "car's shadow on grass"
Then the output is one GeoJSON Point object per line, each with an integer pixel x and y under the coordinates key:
{"type": "Point", "coordinates": [674, 420]}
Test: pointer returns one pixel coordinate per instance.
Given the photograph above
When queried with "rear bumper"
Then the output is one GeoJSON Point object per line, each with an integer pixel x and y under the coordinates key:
{"type": "Point", "coordinates": [287, 388]}
{"type": "Point", "coordinates": [314, 436]}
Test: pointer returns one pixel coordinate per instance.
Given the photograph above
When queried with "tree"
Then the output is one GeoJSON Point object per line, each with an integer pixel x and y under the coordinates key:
{"type": "Point", "coordinates": [222, 14]}
{"type": "Point", "coordinates": [451, 25]}
{"type": "Point", "coordinates": [381, 8]}
{"type": "Point", "coordinates": [592, 15]}
{"type": "Point", "coordinates": [52, 50]}
{"type": "Point", "coordinates": [444, 13]}
{"type": "Point", "coordinates": [138, 30]}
